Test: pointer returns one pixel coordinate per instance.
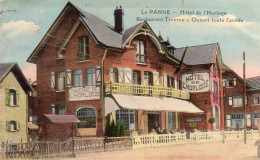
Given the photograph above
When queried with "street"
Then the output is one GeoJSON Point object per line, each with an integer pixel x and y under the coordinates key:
{"type": "Point", "coordinates": [231, 150]}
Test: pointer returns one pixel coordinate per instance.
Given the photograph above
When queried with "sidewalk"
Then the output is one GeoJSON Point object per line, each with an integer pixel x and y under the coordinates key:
{"type": "Point", "coordinates": [231, 150]}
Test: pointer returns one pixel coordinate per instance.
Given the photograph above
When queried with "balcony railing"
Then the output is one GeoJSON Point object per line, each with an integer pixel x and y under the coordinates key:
{"type": "Point", "coordinates": [153, 91]}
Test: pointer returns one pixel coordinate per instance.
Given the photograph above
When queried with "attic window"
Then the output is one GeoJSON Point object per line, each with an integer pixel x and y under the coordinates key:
{"type": "Point", "coordinates": [83, 48]}
{"type": "Point", "coordinates": [60, 55]}
{"type": "Point", "coordinates": [140, 51]}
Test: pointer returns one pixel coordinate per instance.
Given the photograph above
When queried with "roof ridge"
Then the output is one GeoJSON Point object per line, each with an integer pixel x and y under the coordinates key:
{"type": "Point", "coordinates": [198, 45]}
{"type": "Point", "coordinates": [253, 77]}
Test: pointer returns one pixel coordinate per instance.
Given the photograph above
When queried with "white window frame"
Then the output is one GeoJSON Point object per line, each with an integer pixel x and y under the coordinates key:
{"type": "Point", "coordinates": [77, 74]}
{"type": "Point", "coordinates": [255, 97]}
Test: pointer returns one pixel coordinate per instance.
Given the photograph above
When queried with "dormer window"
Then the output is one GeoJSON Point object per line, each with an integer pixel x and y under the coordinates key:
{"type": "Point", "coordinates": [229, 82]}
{"type": "Point", "coordinates": [83, 48]}
{"type": "Point", "coordinates": [140, 51]}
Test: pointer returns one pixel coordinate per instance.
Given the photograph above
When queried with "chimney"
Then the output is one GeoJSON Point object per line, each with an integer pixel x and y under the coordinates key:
{"type": "Point", "coordinates": [118, 14]}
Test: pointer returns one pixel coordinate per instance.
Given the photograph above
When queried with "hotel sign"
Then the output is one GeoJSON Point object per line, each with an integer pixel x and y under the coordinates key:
{"type": "Point", "coordinates": [84, 93]}
{"type": "Point", "coordinates": [195, 82]}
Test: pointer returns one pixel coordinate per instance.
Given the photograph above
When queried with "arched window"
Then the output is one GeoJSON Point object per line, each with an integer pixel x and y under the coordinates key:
{"type": "Point", "coordinates": [87, 117]}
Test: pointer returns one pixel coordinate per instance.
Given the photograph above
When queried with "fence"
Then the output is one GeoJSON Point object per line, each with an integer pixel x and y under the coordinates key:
{"type": "Point", "coordinates": [35, 150]}
{"type": "Point", "coordinates": [82, 145]}
{"type": "Point", "coordinates": [196, 137]}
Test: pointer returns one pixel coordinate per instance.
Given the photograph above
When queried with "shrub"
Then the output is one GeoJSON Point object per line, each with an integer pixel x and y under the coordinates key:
{"type": "Point", "coordinates": [211, 120]}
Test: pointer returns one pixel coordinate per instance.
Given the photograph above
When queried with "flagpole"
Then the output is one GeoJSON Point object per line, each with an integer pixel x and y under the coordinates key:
{"type": "Point", "coordinates": [244, 98]}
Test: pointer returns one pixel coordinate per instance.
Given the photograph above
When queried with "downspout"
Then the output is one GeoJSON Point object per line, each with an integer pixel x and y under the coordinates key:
{"type": "Point", "coordinates": [103, 91]}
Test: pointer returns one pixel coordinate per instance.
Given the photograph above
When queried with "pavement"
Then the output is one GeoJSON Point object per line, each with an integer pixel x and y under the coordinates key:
{"type": "Point", "coordinates": [231, 150]}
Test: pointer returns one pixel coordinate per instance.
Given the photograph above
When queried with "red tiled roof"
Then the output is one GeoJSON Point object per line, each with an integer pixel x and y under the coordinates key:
{"type": "Point", "coordinates": [62, 118]}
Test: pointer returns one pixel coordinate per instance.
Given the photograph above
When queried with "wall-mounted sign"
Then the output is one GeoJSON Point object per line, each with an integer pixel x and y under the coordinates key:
{"type": "Point", "coordinates": [193, 124]}
{"type": "Point", "coordinates": [192, 120]}
{"type": "Point", "coordinates": [84, 93]}
{"type": "Point", "coordinates": [195, 82]}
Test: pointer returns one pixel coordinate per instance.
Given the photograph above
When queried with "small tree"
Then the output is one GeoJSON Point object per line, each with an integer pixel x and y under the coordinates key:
{"type": "Point", "coordinates": [122, 130]}
{"type": "Point", "coordinates": [117, 129]}
{"type": "Point", "coordinates": [112, 129]}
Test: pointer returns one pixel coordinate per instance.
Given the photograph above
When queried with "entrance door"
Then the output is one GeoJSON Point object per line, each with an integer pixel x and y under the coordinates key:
{"type": "Point", "coordinates": [153, 122]}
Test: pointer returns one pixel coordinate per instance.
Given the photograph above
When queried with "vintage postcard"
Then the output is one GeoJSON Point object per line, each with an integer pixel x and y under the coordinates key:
{"type": "Point", "coordinates": [119, 79]}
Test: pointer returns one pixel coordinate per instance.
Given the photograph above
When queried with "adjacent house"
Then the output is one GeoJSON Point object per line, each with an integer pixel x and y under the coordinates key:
{"type": "Point", "coordinates": [101, 73]}
{"type": "Point", "coordinates": [201, 77]}
{"type": "Point", "coordinates": [14, 89]}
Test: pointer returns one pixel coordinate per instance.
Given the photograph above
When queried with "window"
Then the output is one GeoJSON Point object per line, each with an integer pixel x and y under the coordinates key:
{"type": "Point", "coordinates": [237, 121]}
{"type": "Point", "coordinates": [61, 81]}
{"type": "Point", "coordinates": [77, 78]}
{"type": "Point", "coordinates": [136, 77]}
{"type": "Point", "coordinates": [126, 117]}
{"type": "Point", "coordinates": [236, 100]}
{"type": "Point", "coordinates": [58, 109]}
{"type": "Point", "coordinates": [172, 82]}
{"type": "Point", "coordinates": [140, 51]}
{"type": "Point", "coordinates": [255, 100]}
{"type": "Point", "coordinates": [83, 48]}
{"type": "Point", "coordinates": [12, 97]}
{"type": "Point", "coordinates": [171, 120]}
{"type": "Point", "coordinates": [229, 82]}
{"type": "Point", "coordinates": [148, 78]}
{"type": "Point", "coordinates": [12, 126]}
{"type": "Point", "coordinates": [214, 69]}
{"type": "Point", "coordinates": [215, 91]}
{"type": "Point", "coordinates": [114, 75]}
{"type": "Point", "coordinates": [87, 117]}
{"type": "Point", "coordinates": [91, 77]}
{"type": "Point", "coordinates": [256, 119]}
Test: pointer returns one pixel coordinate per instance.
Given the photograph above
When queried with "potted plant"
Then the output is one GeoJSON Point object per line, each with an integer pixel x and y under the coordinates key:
{"type": "Point", "coordinates": [211, 120]}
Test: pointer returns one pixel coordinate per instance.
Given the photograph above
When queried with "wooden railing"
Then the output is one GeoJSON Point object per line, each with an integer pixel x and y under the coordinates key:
{"type": "Point", "coordinates": [153, 91]}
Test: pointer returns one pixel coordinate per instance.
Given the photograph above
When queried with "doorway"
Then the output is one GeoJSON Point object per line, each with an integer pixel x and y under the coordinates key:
{"type": "Point", "coordinates": [154, 122]}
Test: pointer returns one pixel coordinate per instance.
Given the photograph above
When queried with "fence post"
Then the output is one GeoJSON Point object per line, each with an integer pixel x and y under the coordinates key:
{"type": "Point", "coordinates": [105, 139]}
{"type": "Point", "coordinates": [47, 150]}
{"type": "Point", "coordinates": [223, 136]}
{"type": "Point", "coordinates": [3, 151]}
{"type": "Point", "coordinates": [197, 137]}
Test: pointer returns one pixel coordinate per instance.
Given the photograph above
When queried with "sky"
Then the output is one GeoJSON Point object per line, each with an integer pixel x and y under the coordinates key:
{"type": "Point", "coordinates": [235, 25]}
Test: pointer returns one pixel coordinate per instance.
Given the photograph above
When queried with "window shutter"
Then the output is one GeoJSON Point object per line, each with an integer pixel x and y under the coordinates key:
{"type": "Point", "coordinates": [228, 121]}
{"type": "Point", "coordinates": [165, 80]}
{"type": "Point", "coordinates": [68, 78]}
{"type": "Point", "coordinates": [52, 80]}
{"type": "Point", "coordinates": [8, 125]}
{"type": "Point", "coordinates": [156, 78]}
{"type": "Point", "coordinates": [224, 82]}
{"type": "Point", "coordinates": [7, 97]}
{"type": "Point", "coordinates": [245, 100]}
{"type": "Point", "coordinates": [176, 83]}
{"type": "Point", "coordinates": [17, 126]}
{"type": "Point", "coordinates": [248, 120]}
{"type": "Point", "coordinates": [120, 75]}
{"type": "Point", "coordinates": [111, 74]}
{"type": "Point", "coordinates": [98, 76]}
{"type": "Point", "coordinates": [87, 48]}
{"type": "Point", "coordinates": [128, 75]}
{"type": "Point", "coordinates": [17, 97]}
{"type": "Point", "coordinates": [230, 101]}
{"type": "Point", "coordinates": [235, 81]}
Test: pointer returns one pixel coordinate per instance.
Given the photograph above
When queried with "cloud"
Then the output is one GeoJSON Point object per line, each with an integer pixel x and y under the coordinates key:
{"type": "Point", "coordinates": [228, 20]}
{"type": "Point", "coordinates": [19, 28]}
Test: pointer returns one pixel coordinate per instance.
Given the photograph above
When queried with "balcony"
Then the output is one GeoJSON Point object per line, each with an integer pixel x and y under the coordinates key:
{"type": "Point", "coordinates": [142, 90]}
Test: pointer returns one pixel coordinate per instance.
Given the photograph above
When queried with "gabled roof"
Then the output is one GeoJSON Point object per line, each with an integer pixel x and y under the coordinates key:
{"type": "Point", "coordinates": [197, 55]}
{"type": "Point", "coordinates": [253, 83]}
{"type": "Point", "coordinates": [102, 32]}
{"type": "Point", "coordinates": [6, 68]}
{"type": "Point", "coordinates": [226, 68]}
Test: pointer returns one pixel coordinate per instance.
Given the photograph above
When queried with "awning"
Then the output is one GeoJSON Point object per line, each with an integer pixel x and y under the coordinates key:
{"type": "Point", "coordinates": [62, 118]}
{"type": "Point", "coordinates": [116, 102]}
